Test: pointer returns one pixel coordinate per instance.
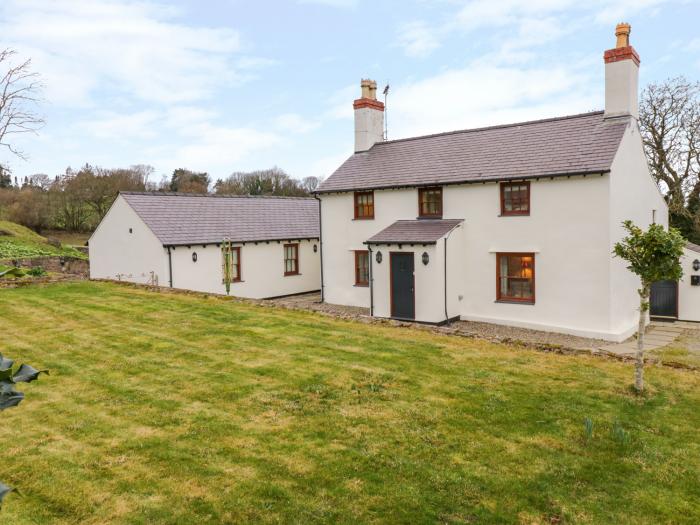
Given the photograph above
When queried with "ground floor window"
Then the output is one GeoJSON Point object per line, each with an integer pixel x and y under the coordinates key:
{"type": "Point", "coordinates": [291, 259]}
{"type": "Point", "coordinates": [362, 268]}
{"type": "Point", "coordinates": [515, 274]}
{"type": "Point", "coordinates": [231, 266]}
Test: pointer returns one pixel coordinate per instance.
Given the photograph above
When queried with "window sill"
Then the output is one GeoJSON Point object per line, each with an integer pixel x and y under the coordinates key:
{"type": "Point", "coordinates": [513, 214]}
{"type": "Point", "coordinates": [291, 274]}
{"type": "Point", "coordinates": [361, 285]}
{"type": "Point", "coordinates": [363, 219]}
{"type": "Point", "coordinates": [425, 217]}
{"type": "Point", "coordinates": [512, 301]}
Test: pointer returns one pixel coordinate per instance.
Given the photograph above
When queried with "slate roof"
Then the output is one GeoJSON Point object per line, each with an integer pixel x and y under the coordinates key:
{"type": "Point", "coordinates": [181, 219]}
{"type": "Point", "coordinates": [420, 231]}
{"type": "Point", "coordinates": [693, 247]}
{"type": "Point", "coordinates": [575, 144]}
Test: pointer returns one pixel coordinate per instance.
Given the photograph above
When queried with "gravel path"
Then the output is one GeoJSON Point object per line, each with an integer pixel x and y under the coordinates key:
{"type": "Point", "coordinates": [489, 331]}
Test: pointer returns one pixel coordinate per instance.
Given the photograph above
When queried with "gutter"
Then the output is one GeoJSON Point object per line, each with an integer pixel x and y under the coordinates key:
{"type": "Point", "coordinates": [170, 266]}
{"type": "Point", "coordinates": [320, 245]}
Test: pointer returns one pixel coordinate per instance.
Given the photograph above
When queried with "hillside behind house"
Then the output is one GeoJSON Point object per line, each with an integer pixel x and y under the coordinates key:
{"type": "Point", "coordinates": [19, 242]}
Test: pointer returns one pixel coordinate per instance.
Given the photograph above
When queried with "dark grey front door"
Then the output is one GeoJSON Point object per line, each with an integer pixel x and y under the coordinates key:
{"type": "Point", "coordinates": [403, 303]}
{"type": "Point", "coordinates": [664, 299]}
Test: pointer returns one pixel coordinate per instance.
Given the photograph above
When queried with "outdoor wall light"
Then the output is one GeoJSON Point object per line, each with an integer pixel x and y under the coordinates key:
{"type": "Point", "coordinates": [194, 256]}
{"type": "Point", "coordinates": [315, 248]}
{"type": "Point", "coordinates": [378, 257]}
{"type": "Point", "coordinates": [425, 258]}
{"type": "Point", "coordinates": [696, 265]}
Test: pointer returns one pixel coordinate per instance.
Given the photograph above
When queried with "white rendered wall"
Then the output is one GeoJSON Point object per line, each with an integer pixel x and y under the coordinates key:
{"type": "Point", "coordinates": [688, 296]}
{"type": "Point", "coordinates": [117, 254]}
{"type": "Point", "coordinates": [342, 235]}
{"type": "Point", "coordinates": [262, 270]}
{"type": "Point", "coordinates": [568, 229]}
{"type": "Point", "coordinates": [634, 196]}
{"type": "Point", "coordinates": [622, 88]}
{"type": "Point", "coordinates": [369, 127]}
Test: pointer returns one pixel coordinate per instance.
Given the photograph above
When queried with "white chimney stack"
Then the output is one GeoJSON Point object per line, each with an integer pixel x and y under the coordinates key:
{"type": "Point", "coordinates": [622, 76]}
{"type": "Point", "coordinates": [369, 117]}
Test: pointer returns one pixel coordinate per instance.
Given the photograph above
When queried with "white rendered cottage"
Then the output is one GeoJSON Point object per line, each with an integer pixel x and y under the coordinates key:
{"type": "Point", "coordinates": [510, 224]}
{"type": "Point", "coordinates": [177, 240]}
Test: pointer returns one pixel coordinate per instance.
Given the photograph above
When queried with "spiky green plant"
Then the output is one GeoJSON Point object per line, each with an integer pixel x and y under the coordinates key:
{"type": "Point", "coordinates": [227, 254]}
{"type": "Point", "coordinates": [9, 397]}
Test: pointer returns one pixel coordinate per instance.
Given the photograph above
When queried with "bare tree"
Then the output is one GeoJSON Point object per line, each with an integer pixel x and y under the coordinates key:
{"type": "Point", "coordinates": [19, 95]}
{"type": "Point", "coordinates": [669, 119]}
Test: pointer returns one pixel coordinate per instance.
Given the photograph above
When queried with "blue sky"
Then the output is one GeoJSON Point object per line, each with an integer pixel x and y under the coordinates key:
{"type": "Point", "coordinates": [234, 85]}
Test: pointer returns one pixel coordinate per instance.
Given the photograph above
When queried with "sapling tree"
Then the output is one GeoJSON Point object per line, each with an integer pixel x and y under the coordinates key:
{"type": "Point", "coordinates": [9, 397]}
{"type": "Point", "coordinates": [653, 255]}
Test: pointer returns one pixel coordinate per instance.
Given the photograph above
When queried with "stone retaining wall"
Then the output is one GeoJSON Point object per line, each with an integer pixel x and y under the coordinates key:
{"type": "Point", "coordinates": [68, 265]}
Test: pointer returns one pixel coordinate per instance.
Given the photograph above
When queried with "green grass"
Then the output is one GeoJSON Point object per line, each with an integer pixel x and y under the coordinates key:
{"type": "Point", "coordinates": [180, 409]}
{"type": "Point", "coordinates": [19, 242]}
{"type": "Point", "coordinates": [685, 350]}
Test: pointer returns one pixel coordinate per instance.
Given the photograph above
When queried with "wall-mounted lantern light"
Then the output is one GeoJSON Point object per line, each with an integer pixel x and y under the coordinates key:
{"type": "Point", "coordinates": [194, 256]}
{"type": "Point", "coordinates": [378, 257]}
{"type": "Point", "coordinates": [131, 230]}
{"type": "Point", "coordinates": [425, 258]}
{"type": "Point", "coordinates": [315, 248]}
{"type": "Point", "coordinates": [696, 265]}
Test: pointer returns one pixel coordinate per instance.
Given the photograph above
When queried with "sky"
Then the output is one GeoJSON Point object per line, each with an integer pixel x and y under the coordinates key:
{"type": "Point", "coordinates": [234, 85]}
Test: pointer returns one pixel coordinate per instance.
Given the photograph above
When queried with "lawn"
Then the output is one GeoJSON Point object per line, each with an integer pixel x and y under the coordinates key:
{"type": "Point", "coordinates": [685, 350]}
{"type": "Point", "coordinates": [164, 408]}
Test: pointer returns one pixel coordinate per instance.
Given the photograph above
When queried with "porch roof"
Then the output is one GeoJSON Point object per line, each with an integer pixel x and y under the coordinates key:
{"type": "Point", "coordinates": [693, 247]}
{"type": "Point", "coordinates": [419, 231]}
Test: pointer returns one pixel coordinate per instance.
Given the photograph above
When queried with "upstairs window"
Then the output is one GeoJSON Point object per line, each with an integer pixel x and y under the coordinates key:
{"type": "Point", "coordinates": [364, 205]}
{"type": "Point", "coordinates": [515, 198]}
{"type": "Point", "coordinates": [361, 268]}
{"type": "Point", "coordinates": [291, 259]}
{"type": "Point", "coordinates": [515, 277]}
{"type": "Point", "coordinates": [430, 202]}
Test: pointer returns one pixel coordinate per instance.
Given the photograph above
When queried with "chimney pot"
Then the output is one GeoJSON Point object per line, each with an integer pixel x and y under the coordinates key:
{"type": "Point", "coordinates": [622, 32]}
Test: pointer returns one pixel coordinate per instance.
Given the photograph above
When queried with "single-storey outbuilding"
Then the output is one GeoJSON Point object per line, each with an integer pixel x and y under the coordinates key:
{"type": "Point", "coordinates": [268, 246]}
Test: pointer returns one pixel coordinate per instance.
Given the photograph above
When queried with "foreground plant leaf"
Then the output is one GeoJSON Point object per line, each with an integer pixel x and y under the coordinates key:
{"type": "Point", "coordinates": [27, 374]}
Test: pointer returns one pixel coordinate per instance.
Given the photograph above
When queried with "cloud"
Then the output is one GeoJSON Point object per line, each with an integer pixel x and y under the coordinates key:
{"type": "Point", "coordinates": [483, 94]}
{"type": "Point", "coordinates": [295, 123]}
{"type": "Point", "coordinates": [332, 3]}
{"type": "Point", "coordinates": [134, 49]}
{"type": "Point", "coordinates": [418, 39]}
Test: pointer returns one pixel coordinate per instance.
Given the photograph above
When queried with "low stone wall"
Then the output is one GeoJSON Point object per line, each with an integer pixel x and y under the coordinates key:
{"type": "Point", "coordinates": [68, 265]}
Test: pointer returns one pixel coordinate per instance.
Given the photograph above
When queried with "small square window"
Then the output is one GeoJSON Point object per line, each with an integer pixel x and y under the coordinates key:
{"type": "Point", "coordinates": [515, 198]}
{"type": "Point", "coordinates": [430, 202]}
{"type": "Point", "coordinates": [364, 205]}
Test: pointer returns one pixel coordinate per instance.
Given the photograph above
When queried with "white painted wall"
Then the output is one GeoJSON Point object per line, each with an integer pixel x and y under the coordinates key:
{"type": "Point", "coordinates": [567, 229]}
{"type": "Point", "coordinates": [369, 127]}
{"type": "Point", "coordinates": [262, 270]}
{"type": "Point", "coordinates": [117, 254]}
{"type": "Point", "coordinates": [634, 196]}
{"type": "Point", "coordinates": [622, 88]}
{"type": "Point", "coordinates": [688, 296]}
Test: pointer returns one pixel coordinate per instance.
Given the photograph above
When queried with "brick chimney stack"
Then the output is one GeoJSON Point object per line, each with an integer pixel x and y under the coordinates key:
{"type": "Point", "coordinates": [369, 117]}
{"type": "Point", "coordinates": [621, 76]}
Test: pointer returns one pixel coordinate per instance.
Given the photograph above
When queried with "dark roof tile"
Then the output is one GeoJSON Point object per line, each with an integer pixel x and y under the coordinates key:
{"type": "Point", "coordinates": [178, 219]}
{"type": "Point", "coordinates": [569, 145]}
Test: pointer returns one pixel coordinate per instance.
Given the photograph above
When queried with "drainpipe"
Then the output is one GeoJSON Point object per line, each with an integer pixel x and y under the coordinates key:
{"type": "Point", "coordinates": [371, 283]}
{"type": "Point", "coordinates": [170, 266]}
{"type": "Point", "coordinates": [320, 244]}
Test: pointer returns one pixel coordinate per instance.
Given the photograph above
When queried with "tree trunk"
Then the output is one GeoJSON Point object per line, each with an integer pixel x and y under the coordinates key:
{"type": "Point", "coordinates": [639, 364]}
